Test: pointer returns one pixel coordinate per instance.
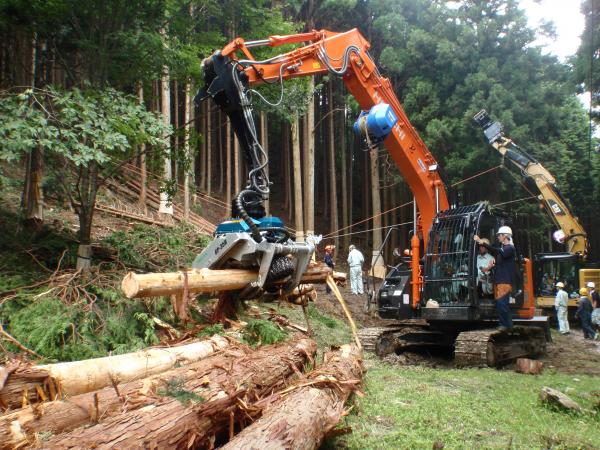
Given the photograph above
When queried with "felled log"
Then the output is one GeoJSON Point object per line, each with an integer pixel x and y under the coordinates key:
{"type": "Point", "coordinates": [136, 285]}
{"type": "Point", "coordinates": [20, 427]}
{"type": "Point", "coordinates": [52, 381]}
{"type": "Point", "coordinates": [191, 413]}
{"type": "Point", "coordinates": [301, 416]}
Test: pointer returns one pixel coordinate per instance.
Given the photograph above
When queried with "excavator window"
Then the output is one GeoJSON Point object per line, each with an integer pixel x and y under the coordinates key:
{"type": "Point", "coordinates": [448, 259]}
{"type": "Point", "coordinates": [552, 270]}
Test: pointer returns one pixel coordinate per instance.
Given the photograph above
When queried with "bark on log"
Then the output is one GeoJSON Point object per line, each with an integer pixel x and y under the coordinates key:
{"type": "Point", "coordinates": [20, 427]}
{"type": "Point", "coordinates": [218, 400]}
{"type": "Point", "coordinates": [52, 381]}
{"type": "Point", "coordinates": [302, 419]}
{"type": "Point", "coordinates": [136, 285]}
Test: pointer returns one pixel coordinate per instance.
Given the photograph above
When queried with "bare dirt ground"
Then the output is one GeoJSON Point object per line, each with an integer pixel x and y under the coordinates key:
{"type": "Point", "coordinates": [568, 354]}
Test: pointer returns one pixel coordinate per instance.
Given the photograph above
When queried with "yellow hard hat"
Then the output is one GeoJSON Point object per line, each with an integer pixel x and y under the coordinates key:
{"type": "Point", "coordinates": [583, 292]}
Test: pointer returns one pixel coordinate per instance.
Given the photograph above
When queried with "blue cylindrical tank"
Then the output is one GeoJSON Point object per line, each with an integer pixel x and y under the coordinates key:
{"type": "Point", "coordinates": [381, 120]}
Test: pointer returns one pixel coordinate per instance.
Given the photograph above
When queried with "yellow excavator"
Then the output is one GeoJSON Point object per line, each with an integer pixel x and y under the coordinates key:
{"type": "Point", "coordinates": [569, 266]}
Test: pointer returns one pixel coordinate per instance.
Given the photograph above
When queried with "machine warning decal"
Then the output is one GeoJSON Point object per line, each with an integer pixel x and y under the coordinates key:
{"type": "Point", "coordinates": [422, 165]}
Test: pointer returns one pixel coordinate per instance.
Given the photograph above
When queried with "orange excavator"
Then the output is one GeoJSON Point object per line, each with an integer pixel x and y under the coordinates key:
{"type": "Point", "coordinates": [440, 286]}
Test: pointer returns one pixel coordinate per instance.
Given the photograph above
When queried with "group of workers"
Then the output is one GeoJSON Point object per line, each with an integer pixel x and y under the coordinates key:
{"type": "Point", "coordinates": [588, 310]}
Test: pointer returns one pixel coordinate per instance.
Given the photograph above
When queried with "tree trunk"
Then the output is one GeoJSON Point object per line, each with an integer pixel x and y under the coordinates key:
{"type": "Point", "coordinates": [221, 150]}
{"type": "Point", "coordinates": [202, 147]}
{"type": "Point", "coordinates": [301, 419]}
{"type": "Point", "coordinates": [165, 206]}
{"type": "Point", "coordinates": [287, 169]}
{"type": "Point", "coordinates": [60, 416]}
{"type": "Point", "coordinates": [236, 165]}
{"type": "Point", "coordinates": [344, 174]}
{"type": "Point", "coordinates": [187, 114]}
{"type": "Point", "coordinates": [207, 404]}
{"type": "Point", "coordinates": [332, 169]}
{"type": "Point", "coordinates": [77, 377]}
{"type": "Point", "coordinates": [377, 263]}
{"type": "Point", "coordinates": [175, 110]}
{"type": "Point", "coordinates": [265, 144]}
{"type": "Point", "coordinates": [298, 217]}
{"type": "Point", "coordinates": [209, 149]}
{"type": "Point", "coordinates": [309, 187]}
{"type": "Point", "coordinates": [88, 189]}
{"type": "Point", "coordinates": [143, 169]}
{"type": "Point", "coordinates": [34, 195]}
{"type": "Point", "coordinates": [228, 162]}
{"type": "Point", "coordinates": [34, 203]}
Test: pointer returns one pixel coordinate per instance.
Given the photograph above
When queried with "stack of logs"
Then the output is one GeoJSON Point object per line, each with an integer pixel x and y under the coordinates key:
{"type": "Point", "coordinates": [208, 394]}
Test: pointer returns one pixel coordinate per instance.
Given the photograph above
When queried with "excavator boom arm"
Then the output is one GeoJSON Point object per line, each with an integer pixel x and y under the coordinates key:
{"type": "Point", "coordinates": [346, 55]}
{"type": "Point", "coordinates": [554, 202]}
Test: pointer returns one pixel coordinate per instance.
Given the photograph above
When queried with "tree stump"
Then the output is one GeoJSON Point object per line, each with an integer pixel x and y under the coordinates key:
{"type": "Point", "coordinates": [530, 366]}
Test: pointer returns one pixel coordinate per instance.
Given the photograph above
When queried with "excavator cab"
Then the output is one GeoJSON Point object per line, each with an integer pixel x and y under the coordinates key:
{"type": "Point", "coordinates": [450, 273]}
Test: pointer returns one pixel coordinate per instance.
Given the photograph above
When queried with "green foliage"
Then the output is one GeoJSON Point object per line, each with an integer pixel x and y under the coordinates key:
{"type": "Point", "coordinates": [262, 332]}
{"type": "Point", "coordinates": [175, 388]}
{"type": "Point", "coordinates": [327, 330]}
{"type": "Point", "coordinates": [78, 331]}
{"type": "Point", "coordinates": [328, 321]}
{"type": "Point", "coordinates": [211, 330]}
{"type": "Point", "coordinates": [149, 248]}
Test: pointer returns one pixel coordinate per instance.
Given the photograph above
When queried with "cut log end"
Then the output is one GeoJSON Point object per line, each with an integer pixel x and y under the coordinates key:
{"type": "Point", "coordinates": [130, 285]}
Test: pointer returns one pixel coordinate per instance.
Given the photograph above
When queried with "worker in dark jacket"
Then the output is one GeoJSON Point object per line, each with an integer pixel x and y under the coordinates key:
{"type": "Point", "coordinates": [328, 260]}
{"type": "Point", "coordinates": [584, 312]}
{"type": "Point", "coordinates": [504, 273]}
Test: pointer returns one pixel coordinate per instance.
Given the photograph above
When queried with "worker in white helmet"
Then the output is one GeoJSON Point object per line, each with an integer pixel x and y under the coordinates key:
{"type": "Point", "coordinates": [561, 303]}
{"type": "Point", "coordinates": [504, 273]}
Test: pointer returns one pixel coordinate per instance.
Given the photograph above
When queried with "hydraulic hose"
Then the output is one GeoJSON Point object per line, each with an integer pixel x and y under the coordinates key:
{"type": "Point", "coordinates": [239, 203]}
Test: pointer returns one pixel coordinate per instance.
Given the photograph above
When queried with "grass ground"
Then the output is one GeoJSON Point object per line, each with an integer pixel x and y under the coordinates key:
{"type": "Point", "coordinates": [416, 407]}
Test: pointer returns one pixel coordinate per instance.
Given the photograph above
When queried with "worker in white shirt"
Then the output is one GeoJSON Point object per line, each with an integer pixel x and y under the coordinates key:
{"type": "Point", "coordinates": [561, 304]}
{"type": "Point", "coordinates": [355, 262]}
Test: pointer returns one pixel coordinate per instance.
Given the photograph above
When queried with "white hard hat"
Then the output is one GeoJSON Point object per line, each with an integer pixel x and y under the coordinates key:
{"type": "Point", "coordinates": [560, 284]}
{"type": "Point", "coordinates": [352, 247]}
{"type": "Point", "coordinates": [504, 230]}
{"type": "Point", "coordinates": [591, 285]}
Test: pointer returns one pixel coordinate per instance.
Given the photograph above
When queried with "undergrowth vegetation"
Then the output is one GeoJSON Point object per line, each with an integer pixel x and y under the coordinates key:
{"type": "Point", "coordinates": [63, 315]}
{"type": "Point", "coordinates": [147, 247]}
